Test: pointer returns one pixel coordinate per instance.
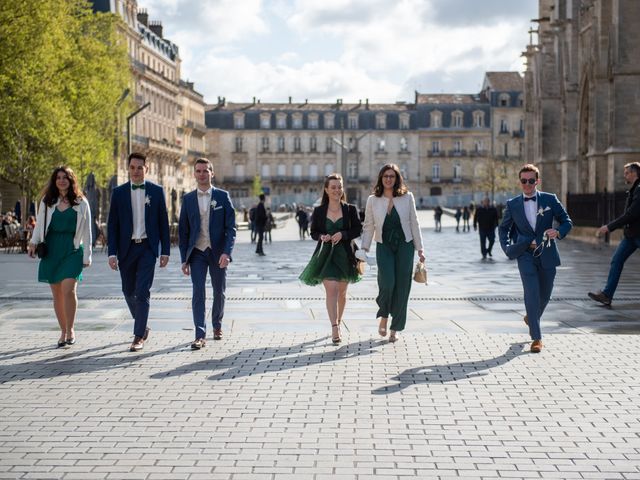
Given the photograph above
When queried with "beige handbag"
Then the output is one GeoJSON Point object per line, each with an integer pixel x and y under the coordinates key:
{"type": "Point", "coordinates": [420, 274]}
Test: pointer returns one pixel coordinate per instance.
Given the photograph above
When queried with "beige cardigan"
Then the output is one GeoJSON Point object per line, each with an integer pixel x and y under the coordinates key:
{"type": "Point", "coordinates": [83, 227]}
{"type": "Point", "coordinates": [375, 214]}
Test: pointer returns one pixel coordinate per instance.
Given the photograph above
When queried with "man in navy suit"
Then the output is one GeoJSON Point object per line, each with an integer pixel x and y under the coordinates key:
{"type": "Point", "coordinates": [137, 233]}
{"type": "Point", "coordinates": [527, 234]}
{"type": "Point", "coordinates": [207, 232]}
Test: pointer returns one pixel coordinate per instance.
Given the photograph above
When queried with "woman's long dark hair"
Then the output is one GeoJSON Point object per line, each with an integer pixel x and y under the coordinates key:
{"type": "Point", "coordinates": [399, 188]}
{"type": "Point", "coordinates": [328, 178]}
{"type": "Point", "coordinates": [51, 192]}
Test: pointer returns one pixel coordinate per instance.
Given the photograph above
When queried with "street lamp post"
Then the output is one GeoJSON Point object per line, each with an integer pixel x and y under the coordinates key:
{"type": "Point", "coordinates": [129, 125]}
{"type": "Point", "coordinates": [343, 156]}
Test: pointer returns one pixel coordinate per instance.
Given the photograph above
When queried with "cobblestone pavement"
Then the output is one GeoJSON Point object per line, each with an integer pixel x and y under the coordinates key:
{"type": "Point", "coordinates": [458, 397]}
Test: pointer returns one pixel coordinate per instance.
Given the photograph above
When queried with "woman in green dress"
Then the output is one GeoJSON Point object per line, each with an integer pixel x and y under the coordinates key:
{"type": "Point", "coordinates": [334, 225]}
{"type": "Point", "coordinates": [64, 224]}
{"type": "Point", "coordinates": [392, 221]}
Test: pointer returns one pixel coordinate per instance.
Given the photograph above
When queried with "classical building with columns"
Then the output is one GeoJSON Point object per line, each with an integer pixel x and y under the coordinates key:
{"type": "Point", "coordinates": [582, 98]}
{"type": "Point", "coordinates": [441, 142]}
{"type": "Point", "coordinates": [170, 131]}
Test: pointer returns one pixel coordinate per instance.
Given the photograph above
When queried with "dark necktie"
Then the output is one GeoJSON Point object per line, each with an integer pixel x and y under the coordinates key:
{"type": "Point", "coordinates": [135, 187]}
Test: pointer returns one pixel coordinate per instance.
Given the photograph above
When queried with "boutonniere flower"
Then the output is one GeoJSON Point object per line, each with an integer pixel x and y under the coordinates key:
{"type": "Point", "coordinates": [542, 210]}
{"type": "Point", "coordinates": [213, 204]}
{"type": "Point", "coordinates": [147, 200]}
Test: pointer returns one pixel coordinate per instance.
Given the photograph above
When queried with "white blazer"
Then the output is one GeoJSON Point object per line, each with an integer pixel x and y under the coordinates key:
{"type": "Point", "coordinates": [83, 227]}
{"type": "Point", "coordinates": [375, 214]}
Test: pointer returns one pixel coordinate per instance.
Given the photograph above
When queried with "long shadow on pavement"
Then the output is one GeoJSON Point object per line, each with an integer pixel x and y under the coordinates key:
{"type": "Point", "coordinates": [256, 361]}
{"type": "Point", "coordinates": [451, 372]}
{"type": "Point", "coordinates": [75, 362]}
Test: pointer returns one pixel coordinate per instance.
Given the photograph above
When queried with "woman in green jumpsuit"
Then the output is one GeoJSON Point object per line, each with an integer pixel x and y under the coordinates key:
{"type": "Point", "coordinates": [391, 219]}
{"type": "Point", "coordinates": [334, 225]}
{"type": "Point", "coordinates": [64, 224]}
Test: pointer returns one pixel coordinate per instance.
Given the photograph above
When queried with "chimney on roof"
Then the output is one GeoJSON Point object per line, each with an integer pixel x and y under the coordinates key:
{"type": "Point", "coordinates": [306, 101]}
{"type": "Point", "coordinates": [143, 17]}
{"type": "Point", "coordinates": [156, 27]}
{"type": "Point", "coordinates": [254, 100]}
{"type": "Point", "coordinates": [289, 100]}
{"type": "Point", "coordinates": [367, 103]}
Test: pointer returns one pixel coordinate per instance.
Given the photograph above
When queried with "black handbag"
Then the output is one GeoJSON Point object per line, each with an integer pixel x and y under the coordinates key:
{"type": "Point", "coordinates": [41, 248]}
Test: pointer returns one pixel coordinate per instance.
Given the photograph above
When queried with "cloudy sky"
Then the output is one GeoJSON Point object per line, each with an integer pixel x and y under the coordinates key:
{"type": "Point", "coordinates": [322, 50]}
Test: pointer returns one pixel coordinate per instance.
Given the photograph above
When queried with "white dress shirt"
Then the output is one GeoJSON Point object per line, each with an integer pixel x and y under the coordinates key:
{"type": "Point", "coordinates": [138, 198]}
{"type": "Point", "coordinates": [531, 210]}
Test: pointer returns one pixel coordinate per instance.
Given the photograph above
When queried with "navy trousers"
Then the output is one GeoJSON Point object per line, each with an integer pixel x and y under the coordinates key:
{"type": "Point", "coordinates": [201, 263]}
{"type": "Point", "coordinates": [537, 283]}
{"type": "Point", "coordinates": [136, 272]}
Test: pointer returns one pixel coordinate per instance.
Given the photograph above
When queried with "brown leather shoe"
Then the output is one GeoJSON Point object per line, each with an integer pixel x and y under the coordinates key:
{"type": "Point", "coordinates": [198, 344]}
{"type": "Point", "coordinates": [217, 334]}
{"type": "Point", "coordinates": [526, 320]}
{"type": "Point", "coordinates": [536, 346]}
{"type": "Point", "coordinates": [600, 297]}
{"type": "Point", "coordinates": [137, 345]}
{"type": "Point", "coordinates": [146, 334]}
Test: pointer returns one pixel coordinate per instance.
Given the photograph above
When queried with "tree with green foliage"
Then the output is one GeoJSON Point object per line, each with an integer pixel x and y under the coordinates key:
{"type": "Point", "coordinates": [63, 69]}
{"type": "Point", "coordinates": [256, 186]}
{"type": "Point", "coordinates": [495, 175]}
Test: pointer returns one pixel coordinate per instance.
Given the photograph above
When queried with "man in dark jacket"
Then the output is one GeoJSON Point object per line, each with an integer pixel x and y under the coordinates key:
{"type": "Point", "coordinates": [630, 221]}
{"type": "Point", "coordinates": [486, 219]}
{"type": "Point", "coordinates": [260, 222]}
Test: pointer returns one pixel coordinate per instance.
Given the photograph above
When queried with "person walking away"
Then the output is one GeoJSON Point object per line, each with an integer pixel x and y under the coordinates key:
{"type": "Point", "coordinates": [485, 221]}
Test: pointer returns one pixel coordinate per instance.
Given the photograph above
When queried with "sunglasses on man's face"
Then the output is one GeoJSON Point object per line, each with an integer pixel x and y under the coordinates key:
{"type": "Point", "coordinates": [530, 181]}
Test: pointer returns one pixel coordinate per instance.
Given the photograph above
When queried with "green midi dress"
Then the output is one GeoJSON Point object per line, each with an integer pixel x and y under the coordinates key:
{"type": "Point", "coordinates": [63, 260]}
{"type": "Point", "coordinates": [330, 262]}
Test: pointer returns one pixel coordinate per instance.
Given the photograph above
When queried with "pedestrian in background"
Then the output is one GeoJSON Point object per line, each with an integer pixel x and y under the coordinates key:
{"type": "Point", "coordinates": [458, 216]}
{"type": "Point", "coordinates": [527, 234]}
{"type": "Point", "coordinates": [268, 226]}
{"type": "Point", "coordinates": [207, 234]}
{"type": "Point", "coordinates": [392, 221]}
{"type": "Point", "coordinates": [303, 221]}
{"type": "Point", "coordinates": [137, 234]}
{"type": "Point", "coordinates": [466, 215]}
{"type": "Point", "coordinates": [630, 222]}
{"type": "Point", "coordinates": [335, 225]}
{"type": "Point", "coordinates": [437, 216]}
{"type": "Point", "coordinates": [485, 221]}
{"type": "Point", "coordinates": [64, 224]}
{"type": "Point", "coordinates": [260, 222]}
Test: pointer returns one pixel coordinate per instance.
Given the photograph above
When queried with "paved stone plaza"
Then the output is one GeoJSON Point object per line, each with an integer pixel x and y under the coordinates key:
{"type": "Point", "coordinates": [458, 397]}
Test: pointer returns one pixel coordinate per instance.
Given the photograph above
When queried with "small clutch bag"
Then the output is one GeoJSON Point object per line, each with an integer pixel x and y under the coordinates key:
{"type": "Point", "coordinates": [420, 274]}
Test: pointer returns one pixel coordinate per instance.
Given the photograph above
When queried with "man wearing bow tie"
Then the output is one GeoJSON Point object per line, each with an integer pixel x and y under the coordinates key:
{"type": "Point", "coordinates": [527, 234]}
{"type": "Point", "coordinates": [137, 233]}
{"type": "Point", "coordinates": [207, 232]}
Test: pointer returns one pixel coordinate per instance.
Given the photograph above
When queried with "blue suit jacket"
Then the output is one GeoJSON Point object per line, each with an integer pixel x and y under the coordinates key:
{"type": "Point", "coordinates": [120, 222]}
{"type": "Point", "coordinates": [222, 224]}
{"type": "Point", "coordinates": [516, 234]}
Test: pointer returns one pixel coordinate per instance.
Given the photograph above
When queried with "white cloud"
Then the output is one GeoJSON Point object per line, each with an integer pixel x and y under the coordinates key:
{"type": "Point", "coordinates": [350, 49]}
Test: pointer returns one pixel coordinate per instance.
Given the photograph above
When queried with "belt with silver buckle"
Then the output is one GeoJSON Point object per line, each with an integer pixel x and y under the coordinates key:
{"type": "Point", "coordinates": [138, 240]}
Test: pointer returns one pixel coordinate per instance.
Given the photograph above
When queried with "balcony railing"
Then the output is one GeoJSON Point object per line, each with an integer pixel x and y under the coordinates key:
{"type": "Point", "coordinates": [194, 125]}
{"type": "Point", "coordinates": [517, 134]}
{"type": "Point", "coordinates": [195, 153]}
{"type": "Point", "coordinates": [433, 153]}
{"type": "Point", "coordinates": [445, 180]}
{"type": "Point", "coordinates": [457, 153]}
{"type": "Point", "coordinates": [140, 140]}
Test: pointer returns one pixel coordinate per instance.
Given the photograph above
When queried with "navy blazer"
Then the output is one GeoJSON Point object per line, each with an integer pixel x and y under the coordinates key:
{"type": "Point", "coordinates": [222, 224]}
{"type": "Point", "coordinates": [120, 222]}
{"type": "Point", "coordinates": [516, 234]}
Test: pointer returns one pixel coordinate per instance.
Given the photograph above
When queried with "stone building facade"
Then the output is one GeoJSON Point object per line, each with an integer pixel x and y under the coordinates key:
{"type": "Point", "coordinates": [171, 130]}
{"type": "Point", "coordinates": [582, 94]}
{"type": "Point", "coordinates": [441, 142]}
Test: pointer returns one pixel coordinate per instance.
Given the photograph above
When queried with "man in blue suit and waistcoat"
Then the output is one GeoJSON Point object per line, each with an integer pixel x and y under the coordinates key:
{"type": "Point", "coordinates": [137, 233]}
{"type": "Point", "coordinates": [207, 232]}
{"type": "Point", "coordinates": [528, 235]}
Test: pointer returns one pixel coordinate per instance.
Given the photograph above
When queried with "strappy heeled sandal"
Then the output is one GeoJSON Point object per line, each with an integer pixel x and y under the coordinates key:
{"type": "Point", "coordinates": [383, 330]}
{"type": "Point", "coordinates": [393, 337]}
{"type": "Point", "coordinates": [336, 339]}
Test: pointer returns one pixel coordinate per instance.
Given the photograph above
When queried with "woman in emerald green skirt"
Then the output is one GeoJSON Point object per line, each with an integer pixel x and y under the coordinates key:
{"type": "Point", "coordinates": [334, 225]}
{"type": "Point", "coordinates": [391, 219]}
{"type": "Point", "coordinates": [64, 224]}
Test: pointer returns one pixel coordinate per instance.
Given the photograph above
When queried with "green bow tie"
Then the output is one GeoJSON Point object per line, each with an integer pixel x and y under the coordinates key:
{"type": "Point", "coordinates": [134, 186]}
